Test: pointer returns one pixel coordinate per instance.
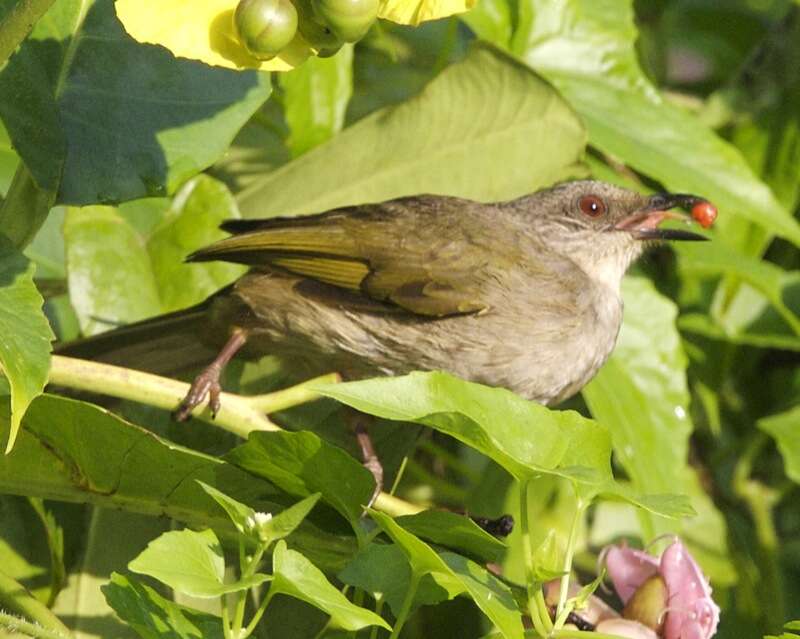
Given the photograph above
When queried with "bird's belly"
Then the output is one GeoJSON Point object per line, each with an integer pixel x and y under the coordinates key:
{"type": "Point", "coordinates": [546, 360]}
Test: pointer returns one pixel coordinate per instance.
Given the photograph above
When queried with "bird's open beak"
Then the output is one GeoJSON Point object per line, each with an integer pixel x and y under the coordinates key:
{"type": "Point", "coordinates": [643, 224]}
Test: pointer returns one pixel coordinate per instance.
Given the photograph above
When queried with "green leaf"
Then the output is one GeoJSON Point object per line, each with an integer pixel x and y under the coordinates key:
{"type": "Point", "coordinates": [384, 571]}
{"type": "Point", "coordinates": [775, 284]}
{"type": "Point", "coordinates": [488, 593]}
{"type": "Point", "coordinates": [315, 99]}
{"type": "Point", "coordinates": [16, 23]}
{"type": "Point", "coordinates": [284, 523]}
{"type": "Point", "coordinates": [73, 451]}
{"type": "Point", "coordinates": [785, 429]}
{"type": "Point", "coordinates": [191, 222]}
{"type": "Point", "coordinates": [302, 464]}
{"type": "Point", "coordinates": [238, 512]}
{"type": "Point", "coordinates": [99, 117]}
{"type": "Point", "coordinates": [26, 334]}
{"type": "Point", "coordinates": [454, 531]}
{"type": "Point", "coordinates": [154, 617]}
{"type": "Point", "coordinates": [8, 161]}
{"type": "Point", "coordinates": [101, 285]}
{"type": "Point", "coordinates": [587, 49]}
{"type": "Point", "coordinates": [486, 128]}
{"type": "Point", "coordinates": [190, 562]}
{"type": "Point", "coordinates": [522, 436]}
{"type": "Point", "coordinates": [641, 393]}
{"type": "Point", "coordinates": [296, 576]}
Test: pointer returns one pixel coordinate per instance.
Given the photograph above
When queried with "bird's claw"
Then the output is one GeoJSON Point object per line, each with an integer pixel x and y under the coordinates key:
{"type": "Point", "coordinates": [373, 465]}
{"type": "Point", "coordinates": [206, 384]}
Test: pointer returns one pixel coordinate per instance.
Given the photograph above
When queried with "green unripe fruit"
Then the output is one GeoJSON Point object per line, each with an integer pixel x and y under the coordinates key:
{"type": "Point", "coordinates": [318, 35]}
{"type": "Point", "coordinates": [348, 19]}
{"type": "Point", "coordinates": [265, 27]}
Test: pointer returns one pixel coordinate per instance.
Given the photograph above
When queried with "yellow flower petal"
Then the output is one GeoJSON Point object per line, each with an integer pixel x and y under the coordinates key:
{"type": "Point", "coordinates": [416, 11]}
{"type": "Point", "coordinates": [201, 30]}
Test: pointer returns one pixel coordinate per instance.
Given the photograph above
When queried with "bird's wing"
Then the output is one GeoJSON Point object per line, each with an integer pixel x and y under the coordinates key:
{"type": "Point", "coordinates": [424, 254]}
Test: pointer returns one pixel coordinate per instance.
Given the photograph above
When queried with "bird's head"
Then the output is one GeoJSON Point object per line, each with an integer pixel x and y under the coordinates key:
{"type": "Point", "coordinates": [603, 227]}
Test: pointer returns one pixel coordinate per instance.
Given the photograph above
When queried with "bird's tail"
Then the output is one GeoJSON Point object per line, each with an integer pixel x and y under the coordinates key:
{"type": "Point", "coordinates": [165, 345]}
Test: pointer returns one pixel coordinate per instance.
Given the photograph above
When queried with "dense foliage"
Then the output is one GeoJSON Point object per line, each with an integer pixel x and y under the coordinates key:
{"type": "Point", "coordinates": [118, 159]}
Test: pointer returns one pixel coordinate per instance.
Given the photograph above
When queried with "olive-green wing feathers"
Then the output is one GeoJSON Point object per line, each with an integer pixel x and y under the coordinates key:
{"type": "Point", "coordinates": [406, 252]}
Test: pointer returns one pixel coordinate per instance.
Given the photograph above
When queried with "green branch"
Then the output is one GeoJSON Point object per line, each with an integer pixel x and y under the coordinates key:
{"type": "Point", "coordinates": [14, 597]}
{"type": "Point", "coordinates": [238, 414]}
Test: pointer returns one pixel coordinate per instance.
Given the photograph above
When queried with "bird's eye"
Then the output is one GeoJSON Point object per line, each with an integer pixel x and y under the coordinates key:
{"type": "Point", "coordinates": [592, 205]}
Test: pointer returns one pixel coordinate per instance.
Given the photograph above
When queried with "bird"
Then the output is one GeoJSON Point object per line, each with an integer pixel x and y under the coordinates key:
{"type": "Point", "coordinates": [522, 294]}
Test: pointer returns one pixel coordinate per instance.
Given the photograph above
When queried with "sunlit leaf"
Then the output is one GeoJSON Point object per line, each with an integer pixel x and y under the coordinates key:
{"type": "Point", "coordinates": [154, 617]}
{"type": "Point", "coordinates": [190, 562]}
{"type": "Point", "coordinates": [785, 429]}
{"type": "Point", "coordinates": [192, 222]}
{"type": "Point", "coordinates": [315, 99]}
{"type": "Point", "coordinates": [26, 335]}
{"type": "Point", "coordinates": [101, 285]}
{"type": "Point", "coordinates": [486, 128]}
{"type": "Point", "coordinates": [416, 11]}
{"type": "Point", "coordinates": [296, 576]}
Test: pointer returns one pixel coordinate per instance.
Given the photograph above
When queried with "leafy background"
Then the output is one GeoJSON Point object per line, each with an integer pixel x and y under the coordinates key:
{"type": "Point", "coordinates": [117, 159]}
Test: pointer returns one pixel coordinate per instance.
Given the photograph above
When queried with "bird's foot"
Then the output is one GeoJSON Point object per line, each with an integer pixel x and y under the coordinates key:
{"type": "Point", "coordinates": [206, 384]}
{"type": "Point", "coordinates": [359, 422]}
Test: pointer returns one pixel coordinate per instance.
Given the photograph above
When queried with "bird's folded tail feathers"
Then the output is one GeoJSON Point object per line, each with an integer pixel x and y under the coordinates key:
{"type": "Point", "coordinates": [165, 345]}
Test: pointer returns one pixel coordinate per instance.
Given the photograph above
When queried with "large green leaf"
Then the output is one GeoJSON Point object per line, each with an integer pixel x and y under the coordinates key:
{"type": "Point", "coordinates": [778, 287]}
{"type": "Point", "coordinates": [383, 570]}
{"type": "Point", "coordinates": [315, 99]}
{"type": "Point", "coordinates": [190, 562]}
{"type": "Point", "coordinates": [105, 290]}
{"type": "Point", "coordinates": [522, 436]}
{"type": "Point", "coordinates": [586, 48]}
{"type": "Point", "coordinates": [296, 576]}
{"type": "Point", "coordinates": [190, 223]}
{"type": "Point", "coordinates": [302, 464]}
{"type": "Point", "coordinates": [489, 593]}
{"type": "Point", "coordinates": [785, 429]}
{"type": "Point", "coordinates": [24, 335]}
{"type": "Point", "coordinates": [154, 617]}
{"type": "Point", "coordinates": [73, 451]}
{"type": "Point", "coordinates": [641, 393]}
{"type": "Point", "coordinates": [454, 531]}
{"type": "Point", "coordinates": [99, 117]}
{"type": "Point", "coordinates": [486, 128]}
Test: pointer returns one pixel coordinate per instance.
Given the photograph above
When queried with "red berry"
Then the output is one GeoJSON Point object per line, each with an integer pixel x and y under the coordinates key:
{"type": "Point", "coordinates": [704, 213]}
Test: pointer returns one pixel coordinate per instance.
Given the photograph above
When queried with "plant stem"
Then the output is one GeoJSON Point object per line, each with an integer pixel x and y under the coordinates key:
{"type": "Point", "coordinates": [17, 624]}
{"type": "Point", "coordinates": [226, 621]}
{"type": "Point", "coordinates": [235, 415]}
{"type": "Point", "coordinates": [408, 600]}
{"type": "Point", "coordinates": [573, 537]}
{"type": "Point", "coordinates": [15, 598]}
{"type": "Point", "coordinates": [258, 614]}
{"type": "Point", "coordinates": [373, 634]}
{"type": "Point", "coordinates": [541, 618]}
{"type": "Point", "coordinates": [294, 396]}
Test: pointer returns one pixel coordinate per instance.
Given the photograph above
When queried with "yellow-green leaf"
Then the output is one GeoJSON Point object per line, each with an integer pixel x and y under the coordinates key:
{"type": "Point", "coordinates": [416, 11]}
{"type": "Point", "coordinates": [201, 31]}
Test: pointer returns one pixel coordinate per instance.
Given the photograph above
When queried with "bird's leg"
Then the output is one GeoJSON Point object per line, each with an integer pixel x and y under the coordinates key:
{"type": "Point", "coordinates": [206, 384]}
{"type": "Point", "coordinates": [359, 422]}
